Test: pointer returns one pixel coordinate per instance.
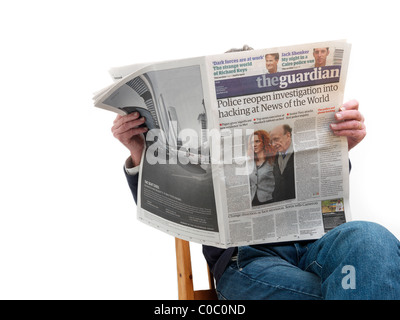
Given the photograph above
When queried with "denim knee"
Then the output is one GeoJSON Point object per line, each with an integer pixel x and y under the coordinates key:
{"type": "Point", "coordinates": [366, 233]}
{"type": "Point", "coordinates": [365, 242]}
{"type": "Point", "coordinates": [352, 243]}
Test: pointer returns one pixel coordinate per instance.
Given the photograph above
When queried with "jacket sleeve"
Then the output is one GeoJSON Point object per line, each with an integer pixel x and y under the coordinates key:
{"type": "Point", "coordinates": [133, 184]}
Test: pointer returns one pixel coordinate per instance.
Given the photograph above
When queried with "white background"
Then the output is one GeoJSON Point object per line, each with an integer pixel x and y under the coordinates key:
{"type": "Point", "coordinates": [68, 227]}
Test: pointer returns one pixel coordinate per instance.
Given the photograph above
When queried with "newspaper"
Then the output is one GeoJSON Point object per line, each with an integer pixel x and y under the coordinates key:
{"type": "Point", "coordinates": [239, 149]}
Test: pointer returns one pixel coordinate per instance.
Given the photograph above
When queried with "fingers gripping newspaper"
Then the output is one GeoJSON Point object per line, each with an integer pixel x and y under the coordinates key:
{"type": "Point", "coordinates": [239, 149]}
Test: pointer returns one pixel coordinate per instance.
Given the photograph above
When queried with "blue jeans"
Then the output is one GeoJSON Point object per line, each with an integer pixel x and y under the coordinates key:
{"type": "Point", "coordinates": [356, 260]}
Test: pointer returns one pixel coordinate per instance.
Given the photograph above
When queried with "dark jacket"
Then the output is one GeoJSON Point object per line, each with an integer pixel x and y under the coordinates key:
{"type": "Point", "coordinates": [284, 182]}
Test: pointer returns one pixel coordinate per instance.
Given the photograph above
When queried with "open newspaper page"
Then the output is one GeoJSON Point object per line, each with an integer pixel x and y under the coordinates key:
{"type": "Point", "coordinates": [239, 149]}
{"type": "Point", "coordinates": [287, 178]}
{"type": "Point", "coordinates": [176, 193]}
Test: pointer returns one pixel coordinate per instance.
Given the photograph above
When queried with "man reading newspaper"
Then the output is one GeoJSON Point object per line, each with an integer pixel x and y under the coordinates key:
{"type": "Point", "coordinates": [356, 260]}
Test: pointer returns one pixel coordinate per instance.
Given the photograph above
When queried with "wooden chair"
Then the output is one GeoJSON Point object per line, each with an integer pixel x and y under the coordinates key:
{"type": "Point", "coordinates": [185, 277]}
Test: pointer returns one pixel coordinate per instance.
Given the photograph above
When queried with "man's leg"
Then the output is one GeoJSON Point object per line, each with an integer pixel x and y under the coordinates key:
{"type": "Point", "coordinates": [357, 260]}
{"type": "Point", "coordinates": [268, 272]}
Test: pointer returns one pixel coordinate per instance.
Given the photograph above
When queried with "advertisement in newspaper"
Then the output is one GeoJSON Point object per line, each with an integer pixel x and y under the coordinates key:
{"type": "Point", "coordinates": [239, 149]}
{"type": "Point", "coordinates": [176, 192]}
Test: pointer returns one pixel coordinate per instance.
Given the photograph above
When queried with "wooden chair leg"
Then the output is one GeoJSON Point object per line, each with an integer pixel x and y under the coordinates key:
{"type": "Point", "coordinates": [185, 278]}
{"type": "Point", "coordinates": [184, 270]}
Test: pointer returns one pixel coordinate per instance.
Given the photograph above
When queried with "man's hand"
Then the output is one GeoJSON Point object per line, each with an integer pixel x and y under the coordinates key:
{"type": "Point", "coordinates": [126, 129]}
{"type": "Point", "coordinates": [350, 124]}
